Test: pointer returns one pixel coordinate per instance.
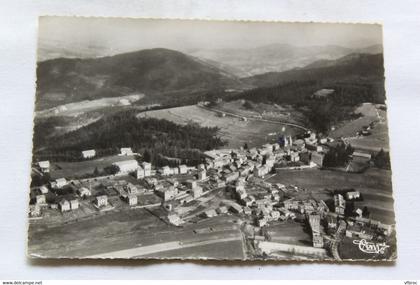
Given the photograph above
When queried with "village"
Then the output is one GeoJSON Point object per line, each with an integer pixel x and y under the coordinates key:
{"type": "Point", "coordinates": [229, 182]}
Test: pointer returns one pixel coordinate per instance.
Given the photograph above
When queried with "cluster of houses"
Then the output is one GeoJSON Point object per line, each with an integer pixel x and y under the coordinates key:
{"type": "Point", "coordinates": [237, 171]}
{"type": "Point", "coordinates": [261, 161]}
{"type": "Point", "coordinates": [128, 192]}
{"type": "Point", "coordinates": [65, 203]}
{"type": "Point", "coordinates": [325, 224]}
{"type": "Point", "coordinates": [271, 207]}
{"type": "Point", "coordinates": [221, 167]}
{"type": "Point", "coordinates": [263, 208]}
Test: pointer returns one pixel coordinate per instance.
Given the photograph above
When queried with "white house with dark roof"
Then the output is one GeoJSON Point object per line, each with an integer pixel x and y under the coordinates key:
{"type": "Point", "coordinates": [44, 166]}
{"type": "Point", "coordinates": [43, 189]}
{"type": "Point", "coordinates": [59, 183]}
{"type": "Point", "coordinates": [64, 206]}
{"type": "Point", "coordinates": [74, 204]}
{"type": "Point", "coordinates": [166, 170]}
{"type": "Point", "coordinates": [361, 155]}
{"type": "Point", "coordinates": [147, 168]}
{"type": "Point", "coordinates": [126, 151]}
{"type": "Point", "coordinates": [40, 199]}
{"type": "Point", "coordinates": [183, 169]}
{"type": "Point", "coordinates": [132, 200]}
{"type": "Point", "coordinates": [88, 153]}
{"type": "Point", "coordinates": [353, 195]}
{"type": "Point", "coordinates": [140, 173]}
{"type": "Point", "coordinates": [197, 192]}
{"type": "Point", "coordinates": [101, 201]}
{"type": "Point", "coordinates": [202, 175]}
{"type": "Point", "coordinates": [84, 192]}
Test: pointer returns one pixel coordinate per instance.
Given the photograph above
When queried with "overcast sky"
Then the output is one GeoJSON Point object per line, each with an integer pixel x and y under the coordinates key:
{"type": "Point", "coordinates": [115, 35]}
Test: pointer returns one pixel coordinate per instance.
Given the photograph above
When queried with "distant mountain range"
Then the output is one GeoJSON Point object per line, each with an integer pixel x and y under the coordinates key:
{"type": "Point", "coordinates": [348, 68]}
{"type": "Point", "coordinates": [168, 76]}
{"type": "Point", "coordinates": [276, 57]}
{"type": "Point", "coordinates": [158, 72]}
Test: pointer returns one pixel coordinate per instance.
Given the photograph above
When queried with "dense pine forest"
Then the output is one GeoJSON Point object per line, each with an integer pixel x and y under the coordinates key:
{"type": "Point", "coordinates": [320, 113]}
{"type": "Point", "coordinates": [355, 79]}
{"type": "Point", "coordinates": [157, 140]}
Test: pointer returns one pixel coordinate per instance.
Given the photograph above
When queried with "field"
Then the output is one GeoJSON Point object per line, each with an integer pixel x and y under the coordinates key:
{"type": "Point", "coordinates": [374, 184]}
{"type": "Point", "coordinates": [106, 232]}
{"type": "Point", "coordinates": [350, 129]}
{"type": "Point", "coordinates": [377, 140]}
{"type": "Point", "coordinates": [136, 232]}
{"type": "Point", "coordinates": [266, 111]}
{"type": "Point", "coordinates": [80, 168]}
{"type": "Point", "coordinates": [77, 108]}
{"type": "Point", "coordinates": [289, 232]}
{"type": "Point", "coordinates": [233, 129]}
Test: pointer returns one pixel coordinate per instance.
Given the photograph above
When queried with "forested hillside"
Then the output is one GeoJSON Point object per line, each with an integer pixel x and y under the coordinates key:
{"type": "Point", "coordinates": [355, 79]}
{"type": "Point", "coordinates": [159, 72]}
{"type": "Point", "coordinates": [350, 68]}
{"type": "Point", "coordinates": [161, 138]}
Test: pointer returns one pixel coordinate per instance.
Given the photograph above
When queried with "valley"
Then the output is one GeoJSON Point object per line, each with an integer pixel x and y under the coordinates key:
{"type": "Point", "coordinates": [272, 152]}
{"type": "Point", "coordinates": [235, 130]}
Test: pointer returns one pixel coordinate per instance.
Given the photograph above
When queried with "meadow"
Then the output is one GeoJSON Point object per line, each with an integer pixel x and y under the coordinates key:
{"type": "Point", "coordinates": [234, 130]}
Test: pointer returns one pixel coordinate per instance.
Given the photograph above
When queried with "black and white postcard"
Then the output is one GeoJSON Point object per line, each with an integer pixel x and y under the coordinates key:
{"type": "Point", "coordinates": [226, 140]}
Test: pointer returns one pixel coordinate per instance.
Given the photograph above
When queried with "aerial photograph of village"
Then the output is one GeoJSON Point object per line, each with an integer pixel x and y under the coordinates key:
{"type": "Point", "coordinates": [226, 140]}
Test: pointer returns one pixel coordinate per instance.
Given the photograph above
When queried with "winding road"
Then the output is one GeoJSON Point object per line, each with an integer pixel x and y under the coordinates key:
{"type": "Point", "coordinates": [255, 119]}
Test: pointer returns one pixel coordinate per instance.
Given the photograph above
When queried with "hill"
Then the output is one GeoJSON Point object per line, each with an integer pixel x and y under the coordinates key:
{"type": "Point", "coordinates": [355, 79]}
{"type": "Point", "coordinates": [154, 138]}
{"type": "Point", "coordinates": [348, 68]}
{"type": "Point", "coordinates": [276, 57]}
{"type": "Point", "coordinates": [159, 72]}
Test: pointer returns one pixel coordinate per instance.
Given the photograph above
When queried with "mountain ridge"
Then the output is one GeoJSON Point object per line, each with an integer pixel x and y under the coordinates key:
{"type": "Point", "coordinates": [352, 65]}
{"type": "Point", "coordinates": [152, 71]}
{"type": "Point", "coordinates": [277, 57]}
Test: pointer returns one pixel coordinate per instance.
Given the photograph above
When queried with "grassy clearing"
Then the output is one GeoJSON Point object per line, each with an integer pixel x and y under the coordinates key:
{"type": "Point", "coordinates": [106, 232]}
{"type": "Point", "coordinates": [289, 232]}
{"type": "Point", "coordinates": [234, 130]}
{"type": "Point", "coordinates": [77, 108]}
{"type": "Point", "coordinates": [80, 168]}
{"type": "Point", "coordinates": [121, 230]}
{"type": "Point", "coordinates": [284, 113]}
{"type": "Point", "coordinates": [379, 133]}
{"type": "Point", "coordinates": [350, 129]}
{"type": "Point", "coordinates": [375, 142]}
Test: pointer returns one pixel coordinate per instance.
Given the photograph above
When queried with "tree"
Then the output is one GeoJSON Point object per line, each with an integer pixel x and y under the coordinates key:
{"type": "Point", "coordinates": [365, 212]}
{"type": "Point", "coordinates": [112, 169]}
{"type": "Point", "coordinates": [338, 156]}
{"type": "Point", "coordinates": [96, 171]}
{"type": "Point", "coordinates": [349, 210]}
{"type": "Point", "coordinates": [147, 156]}
{"type": "Point", "coordinates": [247, 105]}
{"type": "Point", "coordinates": [381, 160]}
{"type": "Point", "coordinates": [245, 146]}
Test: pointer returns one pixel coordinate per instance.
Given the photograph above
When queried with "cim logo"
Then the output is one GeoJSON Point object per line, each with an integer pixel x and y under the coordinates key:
{"type": "Point", "coordinates": [371, 247]}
